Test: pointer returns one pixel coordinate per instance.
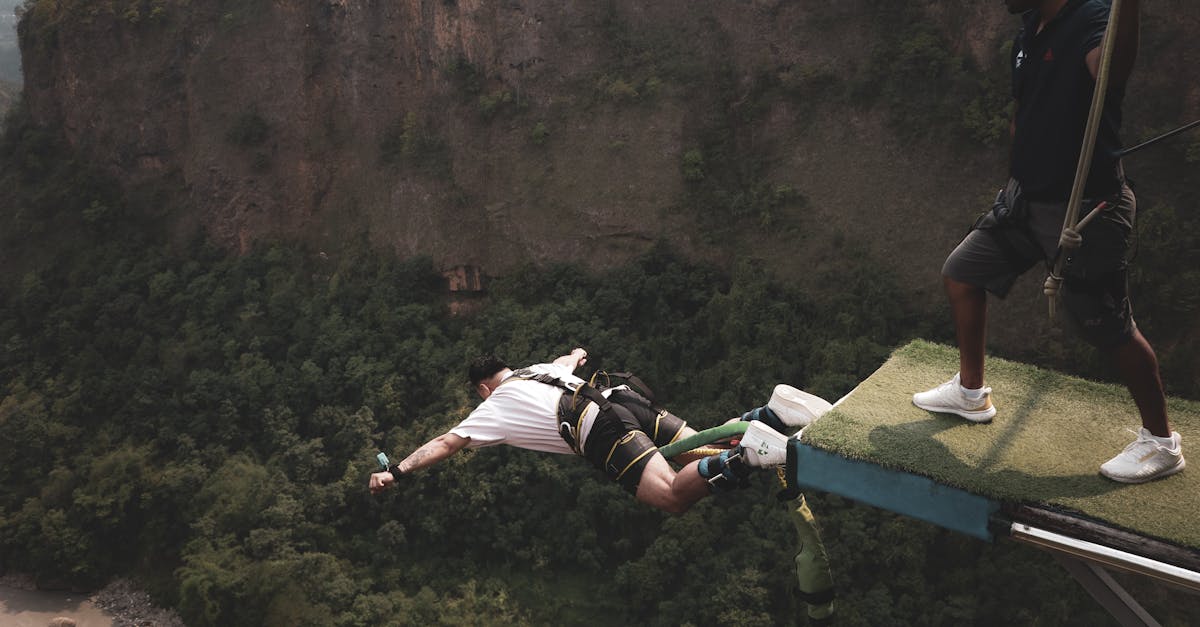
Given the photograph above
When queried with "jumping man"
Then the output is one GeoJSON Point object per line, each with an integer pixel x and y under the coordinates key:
{"type": "Point", "coordinates": [547, 408]}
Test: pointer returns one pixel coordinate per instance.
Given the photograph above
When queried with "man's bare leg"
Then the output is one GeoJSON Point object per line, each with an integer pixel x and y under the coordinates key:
{"type": "Point", "coordinates": [1138, 366]}
{"type": "Point", "coordinates": [968, 305]}
{"type": "Point", "coordinates": [672, 492]}
{"type": "Point", "coordinates": [965, 394]}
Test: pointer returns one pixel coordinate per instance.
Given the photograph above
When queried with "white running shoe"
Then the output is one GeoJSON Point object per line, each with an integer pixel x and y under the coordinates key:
{"type": "Point", "coordinates": [795, 407]}
{"type": "Point", "coordinates": [1146, 459]}
{"type": "Point", "coordinates": [763, 446]}
{"type": "Point", "coordinates": [950, 398]}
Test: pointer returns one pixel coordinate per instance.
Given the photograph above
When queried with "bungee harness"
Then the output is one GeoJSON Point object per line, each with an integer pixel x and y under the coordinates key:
{"type": "Point", "coordinates": [577, 396]}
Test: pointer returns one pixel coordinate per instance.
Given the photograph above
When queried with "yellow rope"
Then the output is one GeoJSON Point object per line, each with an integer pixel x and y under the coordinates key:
{"type": "Point", "coordinates": [707, 451]}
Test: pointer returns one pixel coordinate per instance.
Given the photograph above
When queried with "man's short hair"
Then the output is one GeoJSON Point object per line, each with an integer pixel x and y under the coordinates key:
{"type": "Point", "coordinates": [484, 367]}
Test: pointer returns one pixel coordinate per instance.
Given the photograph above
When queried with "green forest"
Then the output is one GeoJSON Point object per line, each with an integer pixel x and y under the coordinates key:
{"type": "Point", "coordinates": [205, 423]}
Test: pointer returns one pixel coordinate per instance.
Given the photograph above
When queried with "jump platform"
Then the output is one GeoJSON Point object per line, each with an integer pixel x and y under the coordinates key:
{"type": "Point", "coordinates": [1030, 474]}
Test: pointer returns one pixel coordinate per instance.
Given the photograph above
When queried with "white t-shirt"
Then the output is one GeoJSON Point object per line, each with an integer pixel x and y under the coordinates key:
{"type": "Point", "coordinates": [524, 414]}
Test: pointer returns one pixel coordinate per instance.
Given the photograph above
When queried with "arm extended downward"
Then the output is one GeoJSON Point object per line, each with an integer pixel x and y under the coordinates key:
{"type": "Point", "coordinates": [1128, 36]}
{"type": "Point", "coordinates": [427, 455]}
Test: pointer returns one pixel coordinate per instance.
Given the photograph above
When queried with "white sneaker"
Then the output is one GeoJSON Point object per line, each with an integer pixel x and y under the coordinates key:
{"type": "Point", "coordinates": [795, 407]}
{"type": "Point", "coordinates": [763, 446]}
{"type": "Point", "coordinates": [949, 398]}
{"type": "Point", "coordinates": [1146, 459]}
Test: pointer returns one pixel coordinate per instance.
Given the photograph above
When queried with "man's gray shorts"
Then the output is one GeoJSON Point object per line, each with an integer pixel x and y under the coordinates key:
{"type": "Point", "coordinates": [1094, 289]}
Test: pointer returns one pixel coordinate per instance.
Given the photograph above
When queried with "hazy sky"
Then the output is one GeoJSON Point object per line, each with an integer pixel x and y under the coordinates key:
{"type": "Point", "coordinates": [8, 34]}
{"type": "Point", "coordinates": [10, 56]}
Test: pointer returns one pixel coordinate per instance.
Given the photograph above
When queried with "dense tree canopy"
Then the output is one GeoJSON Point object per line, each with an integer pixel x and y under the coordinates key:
{"type": "Point", "coordinates": [207, 421]}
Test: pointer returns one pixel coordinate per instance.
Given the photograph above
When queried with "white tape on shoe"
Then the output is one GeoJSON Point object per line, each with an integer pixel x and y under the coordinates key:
{"type": "Point", "coordinates": [763, 446]}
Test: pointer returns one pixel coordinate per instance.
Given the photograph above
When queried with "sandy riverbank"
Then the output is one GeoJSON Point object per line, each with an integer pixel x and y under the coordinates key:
{"type": "Point", "coordinates": [118, 604]}
{"type": "Point", "coordinates": [36, 608]}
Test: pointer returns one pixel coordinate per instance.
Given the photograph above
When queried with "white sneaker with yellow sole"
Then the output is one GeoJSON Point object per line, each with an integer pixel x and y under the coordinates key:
{"type": "Point", "coordinates": [952, 398]}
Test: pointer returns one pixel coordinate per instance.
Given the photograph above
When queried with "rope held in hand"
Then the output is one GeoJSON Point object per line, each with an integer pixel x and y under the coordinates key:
{"type": "Point", "coordinates": [1070, 239]}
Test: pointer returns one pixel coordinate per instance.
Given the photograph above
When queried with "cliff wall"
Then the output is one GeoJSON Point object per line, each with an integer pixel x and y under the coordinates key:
{"type": "Point", "coordinates": [491, 133]}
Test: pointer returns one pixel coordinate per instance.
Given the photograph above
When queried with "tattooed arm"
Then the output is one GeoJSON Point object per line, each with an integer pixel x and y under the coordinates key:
{"type": "Point", "coordinates": [429, 454]}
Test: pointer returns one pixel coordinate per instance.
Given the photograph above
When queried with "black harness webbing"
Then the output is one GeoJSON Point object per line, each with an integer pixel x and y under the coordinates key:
{"type": "Point", "coordinates": [627, 376]}
{"type": "Point", "coordinates": [1007, 219]}
{"type": "Point", "coordinates": [570, 410]}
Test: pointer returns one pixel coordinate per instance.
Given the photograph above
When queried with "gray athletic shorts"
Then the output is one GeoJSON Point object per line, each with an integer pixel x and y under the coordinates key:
{"type": "Point", "coordinates": [1094, 289]}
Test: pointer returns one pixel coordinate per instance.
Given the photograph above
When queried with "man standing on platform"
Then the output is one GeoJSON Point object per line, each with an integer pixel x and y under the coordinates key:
{"type": "Point", "coordinates": [1056, 60]}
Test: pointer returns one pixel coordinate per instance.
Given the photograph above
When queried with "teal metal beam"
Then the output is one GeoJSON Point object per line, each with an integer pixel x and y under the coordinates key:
{"type": "Point", "coordinates": [895, 490]}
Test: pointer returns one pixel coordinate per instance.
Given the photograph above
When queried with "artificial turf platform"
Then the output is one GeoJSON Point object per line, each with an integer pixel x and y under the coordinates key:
{"type": "Point", "coordinates": [1044, 447]}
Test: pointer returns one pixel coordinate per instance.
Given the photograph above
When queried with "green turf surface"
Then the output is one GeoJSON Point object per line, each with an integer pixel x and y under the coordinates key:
{"type": "Point", "coordinates": [1045, 446]}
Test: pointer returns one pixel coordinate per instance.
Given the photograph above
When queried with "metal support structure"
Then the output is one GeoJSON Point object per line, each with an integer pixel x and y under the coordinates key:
{"type": "Point", "coordinates": [1086, 561]}
{"type": "Point", "coordinates": [1107, 592]}
{"type": "Point", "coordinates": [1105, 556]}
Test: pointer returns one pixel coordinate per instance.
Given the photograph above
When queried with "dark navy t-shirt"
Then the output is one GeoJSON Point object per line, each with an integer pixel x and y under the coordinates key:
{"type": "Point", "coordinates": [1053, 89]}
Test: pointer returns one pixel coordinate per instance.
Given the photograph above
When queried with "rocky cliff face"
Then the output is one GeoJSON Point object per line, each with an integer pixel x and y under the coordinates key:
{"type": "Point", "coordinates": [489, 133]}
